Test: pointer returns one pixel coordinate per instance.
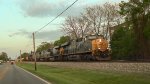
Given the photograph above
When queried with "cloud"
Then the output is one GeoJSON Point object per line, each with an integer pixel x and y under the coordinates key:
{"type": "Point", "coordinates": [51, 35]}
{"type": "Point", "coordinates": [20, 32]}
{"type": "Point", "coordinates": [3, 49]}
{"type": "Point", "coordinates": [35, 7]}
{"type": "Point", "coordinates": [47, 8]}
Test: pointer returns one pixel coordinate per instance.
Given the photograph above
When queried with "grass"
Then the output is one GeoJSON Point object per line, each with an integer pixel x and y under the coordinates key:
{"type": "Point", "coordinates": [57, 75]}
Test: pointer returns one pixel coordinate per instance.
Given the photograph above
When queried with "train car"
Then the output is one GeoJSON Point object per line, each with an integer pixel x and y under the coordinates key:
{"type": "Point", "coordinates": [92, 47]}
{"type": "Point", "coordinates": [56, 54]}
{"type": "Point", "coordinates": [64, 51]}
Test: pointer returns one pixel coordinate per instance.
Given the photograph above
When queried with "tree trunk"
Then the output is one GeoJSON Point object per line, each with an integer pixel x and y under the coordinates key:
{"type": "Point", "coordinates": [142, 43]}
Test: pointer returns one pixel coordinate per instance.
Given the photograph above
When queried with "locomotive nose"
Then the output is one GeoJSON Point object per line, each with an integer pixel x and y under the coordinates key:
{"type": "Point", "coordinates": [101, 44]}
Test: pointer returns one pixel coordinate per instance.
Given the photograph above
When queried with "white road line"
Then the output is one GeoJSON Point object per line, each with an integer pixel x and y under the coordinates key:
{"type": "Point", "coordinates": [34, 75]}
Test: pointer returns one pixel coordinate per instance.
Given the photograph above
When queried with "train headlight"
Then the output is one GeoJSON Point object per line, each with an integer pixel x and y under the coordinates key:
{"type": "Point", "coordinates": [100, 40]}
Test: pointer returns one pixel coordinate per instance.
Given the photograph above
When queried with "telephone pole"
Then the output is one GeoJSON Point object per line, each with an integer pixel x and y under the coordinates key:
{"type": "Point", "coordinates": [34, 51]}
{"type": "Point", "coordinates": [20, 56]}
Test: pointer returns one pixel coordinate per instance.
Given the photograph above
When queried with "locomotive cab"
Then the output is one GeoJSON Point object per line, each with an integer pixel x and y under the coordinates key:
{"type": "Point", "coordinates": [100, 48]}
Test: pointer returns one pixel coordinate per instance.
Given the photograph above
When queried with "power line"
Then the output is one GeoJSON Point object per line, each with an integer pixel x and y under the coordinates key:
{"type": "Point", "coordinates": [44, 27]}
{"type": "Point", "coordinates": [56, 17]}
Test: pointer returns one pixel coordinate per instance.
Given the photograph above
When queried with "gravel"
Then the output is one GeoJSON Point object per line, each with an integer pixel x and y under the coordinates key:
{"type": "Point", "coordinates": [107, 66]}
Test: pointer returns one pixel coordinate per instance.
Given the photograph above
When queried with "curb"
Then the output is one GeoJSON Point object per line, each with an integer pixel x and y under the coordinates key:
{"type": "Point", "coordinates": [34, 75]}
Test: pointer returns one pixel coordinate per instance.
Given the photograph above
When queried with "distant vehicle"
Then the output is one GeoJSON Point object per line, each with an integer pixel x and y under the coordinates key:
{"type": "Point", "coordinates": [1, 61]}
{"type": "Point", "coordinates": [12, 62]}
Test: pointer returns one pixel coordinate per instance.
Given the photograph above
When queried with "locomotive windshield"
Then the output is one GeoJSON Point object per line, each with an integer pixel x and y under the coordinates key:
{"type": "Point", "coordinates": [91, 37]}
{"type": "Point", "coordinates": [94, 36]}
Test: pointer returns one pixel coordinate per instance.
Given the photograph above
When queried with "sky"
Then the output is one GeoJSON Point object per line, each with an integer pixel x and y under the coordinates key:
{"type": "Point", "coordinates": [19, 18]}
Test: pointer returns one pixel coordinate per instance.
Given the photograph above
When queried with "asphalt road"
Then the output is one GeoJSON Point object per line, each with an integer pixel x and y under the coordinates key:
{"type": "Point", "coordinates": [11, 74]}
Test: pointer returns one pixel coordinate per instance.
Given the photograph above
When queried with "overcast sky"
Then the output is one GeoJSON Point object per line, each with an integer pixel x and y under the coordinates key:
{"type": "Point", "coordinates": [19, 18]}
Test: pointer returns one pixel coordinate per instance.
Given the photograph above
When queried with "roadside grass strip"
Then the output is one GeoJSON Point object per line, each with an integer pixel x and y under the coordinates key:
{"type": "Point", "coordinates": [60, 75]}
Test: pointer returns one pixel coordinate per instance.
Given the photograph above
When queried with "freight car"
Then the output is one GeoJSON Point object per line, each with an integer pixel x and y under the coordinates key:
{"type": "Point", "coordinates": [92, 47]}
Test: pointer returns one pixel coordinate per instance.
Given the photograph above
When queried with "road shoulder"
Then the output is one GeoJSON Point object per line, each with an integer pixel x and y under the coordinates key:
{"type": "Point", "coordinates": [34, 75]}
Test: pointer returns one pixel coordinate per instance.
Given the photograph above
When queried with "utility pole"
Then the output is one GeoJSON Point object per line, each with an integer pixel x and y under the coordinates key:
{"type": "Point", "coordinates": [20, 56]}
{"type": "Point", "coordinates": [34, 51]}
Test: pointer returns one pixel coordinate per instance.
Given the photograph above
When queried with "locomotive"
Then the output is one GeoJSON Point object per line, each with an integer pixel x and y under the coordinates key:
{"type": "Point", "coordinates": [92, 47]}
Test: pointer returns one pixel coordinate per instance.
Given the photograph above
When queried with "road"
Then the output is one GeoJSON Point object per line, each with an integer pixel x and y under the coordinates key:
{"type": "Point", "coordinates": [12, 74]}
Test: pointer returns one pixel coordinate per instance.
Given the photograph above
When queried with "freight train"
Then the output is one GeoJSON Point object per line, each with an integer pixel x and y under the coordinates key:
{"type": "Point", "coordinates": [92, 47]}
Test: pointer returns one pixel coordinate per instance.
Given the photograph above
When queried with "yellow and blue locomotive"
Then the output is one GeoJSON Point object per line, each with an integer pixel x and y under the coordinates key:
{"type": "Point", "coordinates": [92, 47]}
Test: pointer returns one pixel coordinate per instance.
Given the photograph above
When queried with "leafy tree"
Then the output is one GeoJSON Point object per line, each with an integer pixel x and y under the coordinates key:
{"type": "Point", "coordinates": [62, 40]}
{"type": "Point", "coordinates": [138, 13]}
{"type": "Point", "coordinates": [44, 46]}
{"type": "Point", "coordinates": [24, 55]}
{"type": "Point", "coordinates": [122, 44]}
{"type": "Point", "coordinates": [4, 56]}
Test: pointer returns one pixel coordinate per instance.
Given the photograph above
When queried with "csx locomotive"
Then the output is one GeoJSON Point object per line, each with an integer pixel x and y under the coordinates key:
{"type": "Point", "coordinates": [92, 47]}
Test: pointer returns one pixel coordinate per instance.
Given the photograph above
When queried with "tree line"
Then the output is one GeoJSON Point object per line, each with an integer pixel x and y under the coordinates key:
{"type": "Point", "coordinates": [132, 41]}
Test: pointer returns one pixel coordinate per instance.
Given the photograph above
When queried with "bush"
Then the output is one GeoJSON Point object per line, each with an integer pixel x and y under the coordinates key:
{"type": "Point", "coordinates": [122, 44]}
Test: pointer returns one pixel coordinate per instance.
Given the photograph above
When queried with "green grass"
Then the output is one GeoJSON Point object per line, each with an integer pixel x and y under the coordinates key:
{"type": "Point", "coordinates": [57, 75]}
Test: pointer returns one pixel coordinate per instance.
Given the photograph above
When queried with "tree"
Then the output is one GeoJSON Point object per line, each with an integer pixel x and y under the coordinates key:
{"type": "Point", "coordinates": [147, 32]}
{"type": "Point", "coordinates": [111, 18]}
{"type": "Point", "coordinates": [138, 13]}
{"type": "Point", "coordinates": [4, 56]}
{"type": "Point", "coordinates": [103, 17]}
{"type": "Point", "coordinates": [96, 19]}
{"type": "Point", "coordinates": [83, 26]}
{"type": "Point", "coordinates": [75, 27]}
{"type": "Point", "coordinates": [24, 56]}
{"type": "Point", "coordinates": [44, 46]}
{"type": "Point", "coordinates": [123, 44]}
{"type": "Point", "coordinates": [62, 40]}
